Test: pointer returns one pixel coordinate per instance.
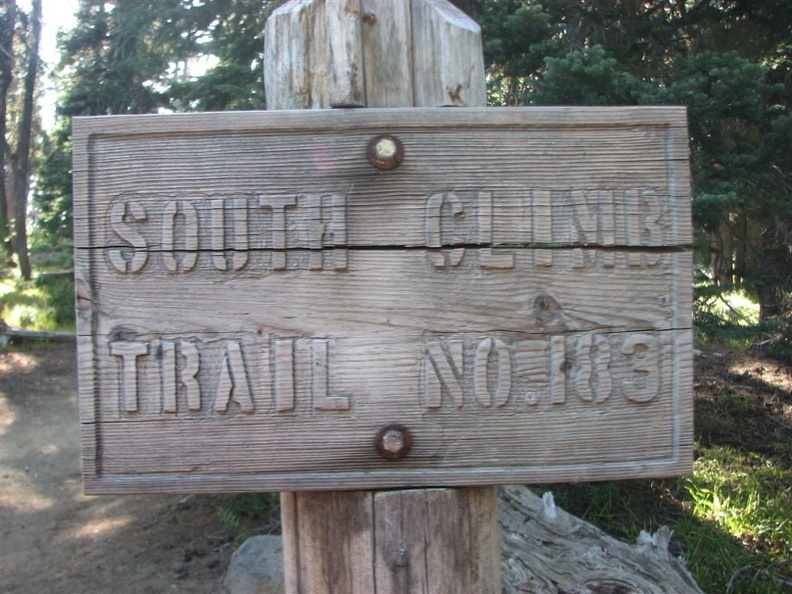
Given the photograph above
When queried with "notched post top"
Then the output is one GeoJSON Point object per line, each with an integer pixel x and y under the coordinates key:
{"type": "Point", "coordinates": [372, 53]}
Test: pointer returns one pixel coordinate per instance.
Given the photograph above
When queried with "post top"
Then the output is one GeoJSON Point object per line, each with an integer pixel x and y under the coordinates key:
{"type": "Point", "coordinates": [372, 53]}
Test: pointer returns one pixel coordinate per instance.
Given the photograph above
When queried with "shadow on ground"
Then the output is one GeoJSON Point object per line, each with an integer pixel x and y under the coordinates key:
{"type": "Point", "coordinates": [55, 539]}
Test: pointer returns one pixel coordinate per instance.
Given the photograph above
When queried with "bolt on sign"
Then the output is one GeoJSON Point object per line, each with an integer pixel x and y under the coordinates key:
{"type": "Point", "coordinates": [357, 299]}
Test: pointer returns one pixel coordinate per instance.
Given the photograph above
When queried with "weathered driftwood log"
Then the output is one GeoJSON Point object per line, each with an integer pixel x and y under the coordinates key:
{"type": "Point", "coordinates": [545, 550]}
{"type": "Point", "coordinates": [7, 333]}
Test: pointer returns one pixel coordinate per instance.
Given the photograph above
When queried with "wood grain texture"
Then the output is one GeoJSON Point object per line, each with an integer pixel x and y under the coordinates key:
{"type": "Point", "coordinates": [418, 53]}
{"type": "Point", "coordinates": [448, 43]}
{"type": "Point", "coordinates": [361, 53]}
{"type": "Point", "coordinates": [421, 541]}
{"type": "Point", "coordinates": [388, 53]}
{"type": "Point", "coordinates": [545, 549]}
{"type": "Point", "coordinates": [259, 303]}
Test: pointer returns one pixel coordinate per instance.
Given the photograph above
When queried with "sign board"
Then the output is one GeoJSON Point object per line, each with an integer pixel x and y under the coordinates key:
{"type": "Point", "coordinates": [262, 308]}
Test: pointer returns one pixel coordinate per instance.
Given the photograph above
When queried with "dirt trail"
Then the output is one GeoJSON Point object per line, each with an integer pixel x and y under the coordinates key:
{"type": "Point", "coordinates": [55, 539]}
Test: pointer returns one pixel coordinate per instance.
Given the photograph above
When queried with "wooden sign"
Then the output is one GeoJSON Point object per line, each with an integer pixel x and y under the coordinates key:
{"type": "Point", "coordinates": [349, 299]}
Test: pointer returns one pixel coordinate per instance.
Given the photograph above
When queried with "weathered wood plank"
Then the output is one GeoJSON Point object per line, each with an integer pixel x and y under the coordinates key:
{"type": "Point", "coordinates": [357, 53]}
{"type": "Point", "coordinates": [257, 304]}
{"type": "Point", "coordinates": [401, 292]}
{"type": "Point", "coordinates": [249, 323]}
{"type": "Point", "coordinates": [452, 68]}
{"type": "Point", "coordinates": [525, 178]}
{"type": "Point", "coordinates": [431, 540]}
{"type": "Point", "coordinates": [346, 521]}
{"type": "Point", "coordinates": [471, 118]}
{"type": "Point", "coordinates": [387, 48]}
{"type": "Point", "coordinates": [423, 541]}
{"type": "Point", "coordinates": [318, 436]}
{"type": "Point", "coordinates": [314, 56]}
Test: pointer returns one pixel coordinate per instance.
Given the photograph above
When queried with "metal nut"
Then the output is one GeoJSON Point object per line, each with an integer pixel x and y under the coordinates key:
{"type": "Point", "coordinates": [393, 441]}
{"type": "Point", "coordinates": [385, 152]}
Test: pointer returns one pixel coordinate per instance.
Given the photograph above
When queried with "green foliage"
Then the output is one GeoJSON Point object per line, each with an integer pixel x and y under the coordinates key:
{"type": "Point", "coordinates": [44, 303]}
{"type": "Point", "coordinates": [234, 36]}
{"type": "Point", "coordinates": [747, 498]}
{"type": "Point", "coordinates": [244, 510]}
{"type": "Point", "coordinates": [59, 293]}
{"type": "Point", "coordinates": [732, 519]}
{"type": "Point", "coordinates": [743, 494]}
{"type": "Point", "coordinates": [589, 77]}
{"type": "Point", "coordinates": [730, 64]}
{"type": "Point", "coordinates": [52, 194]}
{"type": "Point", "coordinates": [120, 56]}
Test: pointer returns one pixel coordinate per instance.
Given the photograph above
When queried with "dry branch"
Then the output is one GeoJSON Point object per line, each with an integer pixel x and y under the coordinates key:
{"type": "Point", "coordinates": [546, 550]}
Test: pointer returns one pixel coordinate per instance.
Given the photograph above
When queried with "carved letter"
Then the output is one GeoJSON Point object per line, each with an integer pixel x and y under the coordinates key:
{"type": "Point", "coordinates": [556, 370]}
{"type": "Point", "coordinates": [190, 252]}
{"type": "Point", "coordinates": [651, 230]}
{"type": "Point", "coordinates": [442, 372]}
{"type": "Point", "coordinates": [119, 215]}
{"type": "Point", "coordinates": [239, 253]}
{"type": "Point", "coordinates": [643, 228]}
{"type": "Point", "coordinates": [189, 373]}
{"type": "Point", "coordinates": [608, 227]}
{"type": "Point", "coordinates": [433, 229]}
{"type": "Point", "coordinates": [485, 350]}
{"type": "Point", "coordinates": [643, 350]}
{"type": "Point", "coordinates": [583, 225]}
{"type": "Point", "coordinates": [128, 352]}
{"type": "Point", "coordinates": [336, 235]}
{"type": "Point", "coordinates": [592, 377]}
{"type": "Point", "coordinates": [168, 376]}
{"type": "Point", "coordinates": [283, 382]}
{"type": "Point", "coordinates": [490, 259]}
{"type": "Point", "coordinates": [278, 205]}
{"type": "Point", "coordinates": [319, 380]}
{"type": "Point", "coordinates": [542, 227]}
{"type": "Point", "coordinates": [233, 382]}
{"type": "Point", "coordinates": [316, 229]}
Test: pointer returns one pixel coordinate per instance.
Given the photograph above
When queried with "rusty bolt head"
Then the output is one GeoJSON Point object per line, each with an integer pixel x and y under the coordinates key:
{"type": "Point", "coordinates": [393, 441]}
{"type": "Point", "coordinates": [385, 152]}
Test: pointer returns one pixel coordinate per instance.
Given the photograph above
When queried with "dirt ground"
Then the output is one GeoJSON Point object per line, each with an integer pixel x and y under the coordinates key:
{"type": "Point", "coordinates": [54, 539]}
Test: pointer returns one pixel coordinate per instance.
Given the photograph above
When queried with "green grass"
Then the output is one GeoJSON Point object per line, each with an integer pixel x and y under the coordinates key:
{"type": "Point", "coordinates": [743, 494]}
{"type": "Point", "coordinates": [45, 302]}
{"type": "Point", "coordinates": [251, 513]}
{"type": "Point", "coordinates": [732, 519]}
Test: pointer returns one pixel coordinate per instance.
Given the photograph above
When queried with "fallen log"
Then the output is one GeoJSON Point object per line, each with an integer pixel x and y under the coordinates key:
{"type": "Point", "coordinates": [7, 333]}
{"type": "Point", "coordinates": [545, 550]}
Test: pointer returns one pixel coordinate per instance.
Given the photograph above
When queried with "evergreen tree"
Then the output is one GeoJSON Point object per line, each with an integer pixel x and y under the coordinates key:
{"type": "Point", "coordinates": [729, 62]}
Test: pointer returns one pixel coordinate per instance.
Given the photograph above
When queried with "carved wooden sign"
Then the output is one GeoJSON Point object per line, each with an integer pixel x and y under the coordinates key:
{"type": "Point", "coordinates": [383, 298]}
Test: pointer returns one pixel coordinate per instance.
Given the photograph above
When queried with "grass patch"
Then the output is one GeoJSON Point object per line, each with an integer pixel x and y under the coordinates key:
{"type": "Point", "coordinates": [732, 519]}
{"type": "Point", "coordinates": [44, 303]}
{"type": "Point", "coordinates": [251, 513]}
{"type": "Point", "coordinates": [744, 494]}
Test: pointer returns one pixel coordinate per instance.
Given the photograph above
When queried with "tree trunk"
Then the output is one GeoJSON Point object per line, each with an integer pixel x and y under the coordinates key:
{"type": "Point", "coordinates": [21, 174]}
{"type": "Point", "coordinates": [6, 76]}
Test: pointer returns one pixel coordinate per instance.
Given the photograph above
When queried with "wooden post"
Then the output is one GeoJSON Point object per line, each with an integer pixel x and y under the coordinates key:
{"type": "Point", "coordinates": [382, 53]}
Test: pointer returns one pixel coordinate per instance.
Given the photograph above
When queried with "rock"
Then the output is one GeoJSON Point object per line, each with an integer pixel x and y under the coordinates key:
{"type": "Point", "coordinates": [256, 567]}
